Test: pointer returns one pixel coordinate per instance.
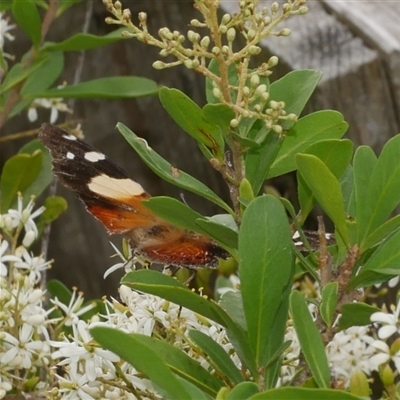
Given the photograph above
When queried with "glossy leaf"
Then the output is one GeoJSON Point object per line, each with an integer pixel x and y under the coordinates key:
{"type": "Point", "coordinates": [142, 357]}
{"type": "Point", "coordinates": [313, 128]}
{"type": "Point", "coordinates": [189, 116]}
{"type": "Point", "coordinates": [153, 282]}
{"type": "Point", "coordinates": [233, 304]}
{"type": "Point", "coordinates": [383, 193]}
{"type": "Point", "coordinates": [382, 232]}
{"type": "Point", "coordinates": [328, 302]}
{"type": "Point", "coordinates": [326, 189]}
{"type": "Point", "coordinates": [258, 160]}
{"type": "Point", "coordinates": [295, 89]}
{"type": "Point", "coordinates": [385, 260]}
{"type": "Point", "coordinates": [347, 184]}
{"type": "Point", "coordinates": [292, 393]}
{"type": "Point", "coordinates": [218, 355]}
{"type": "Point", "coordinates": [57, 289]}
{"type": "Point", "coordinates": [310, 340]}
{"type": "Point", "coordinates": [86, 41]}
{"type": "Point", "coordinates": [45, 176]}
{"type": "Point", "coordinates": [43, 77]}
{"type": "Point", "coordinates": [356, 314]}
{"type": "Point", "coordinates": [243, 391]}
{"type": "Point", "coordinates": [220, 115]}
{"type": "Point", "coordinates": [19, 172]}
{"type": "Point", "coordinates": [265, 269]}
{"type": "Point", "coordinates": [27, 16]}
{"type": "Point", "coordinates": [183, 365]}
{"type": "Point", "coordinates": [54, 207]}
{"type": "Point", "coordinates": [221, 233]}
{"type": "Point", "coordinates": [175, 212]}
{"type": "Point", "coordinates": [114, 87]}
{"type": "Point", "coordinates": [166, 171]}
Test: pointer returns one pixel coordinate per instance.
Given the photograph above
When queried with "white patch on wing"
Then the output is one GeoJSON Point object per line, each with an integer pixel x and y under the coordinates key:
{"type": "Point", "coordinates": [94, 156]}
{"type": "Point", "coordinates": [114, 188]}
{"type": "Point", "coordinates": [70, 155]}
{"type": "Point", "coordinates": [69, 137]}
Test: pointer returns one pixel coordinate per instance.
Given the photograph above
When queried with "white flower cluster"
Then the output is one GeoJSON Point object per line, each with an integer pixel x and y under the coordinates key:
{"type": "Point", "coordinates": [46, 347]}
{"type": "Point", "coordinates": [5, 28]}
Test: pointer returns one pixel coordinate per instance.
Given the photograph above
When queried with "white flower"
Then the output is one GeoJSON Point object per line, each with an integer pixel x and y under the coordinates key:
{"type": "Point", "coordinates": [385, 354]}
{"type": "Point", "coordinates": [350, 351]}
{"type": "Point", "coordinates": [5, 27]}
{"type": "Point", "coordinates": [389, 322]}
{"type": "Point", "coordinates": [5, 258]}
{"type": "Point", "coordinates": [5, 386]}
{"type": "Point", "coordinates": [55, 105]}
{"type": "Point", "coordinates": [83, 349]}
{"type": "Point", "coordinates": [127, 262]}
{"type": "Point", "coordinates": [25, 216]}
{"type": "Point", "coordinates": [20, 351]}
{"type": "Point", "coordinates": [35, 265]}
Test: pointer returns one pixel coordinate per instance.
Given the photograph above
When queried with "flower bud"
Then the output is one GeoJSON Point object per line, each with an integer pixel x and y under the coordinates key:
{"type": "Point", "coordinates": [274, 7]}
{"type": "Point", "coordinates": [234, 123]}
{"type": "Point", "coordinates": [254, 80]}
{"type": "Point", "coordinates": [188, 64]}
{"type": "Point", "coordinates": [142, 16]}
{"type": "Point", "coordinates": [205, 42]}
{"type": "Point", "coordinates": [158, 65]}
{"type": "Point", "coordinates": [260, 90]}
{"type": "Point", "coordinates": [273, 61]}
{"type": "Point", "coordinates": [216, 50]}
{"type": "Point", "coordinates": [251, 34]}
{"type": "Point", "coordinates": [222, 29]}
{"type": "Point", "coordinates": [285, 32]}
{"type": "Point", "coordinates": [277, 128]}
{"type": "Point", "coordinates": [246, 91]}
{"type": "Point", "coordinates": [193, 36]}
{"type": "Point", "coordinates": [225, 19]}
{"type": "Point", "coordinates": [231, 34]}
{"type": "Point", "coordinates": [35, 295]}
{"type": "Point", "coordinates": [254, 50]}
{"type": "Point", "coordinates": [216, 93]}
{"type": "Point", "coordinates": [29, 238]}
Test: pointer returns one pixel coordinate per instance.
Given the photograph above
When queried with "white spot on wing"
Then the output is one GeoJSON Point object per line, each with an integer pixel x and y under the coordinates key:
{"type": "Point", "coordinates": [70, 155]}
{"type": "Point", "coordinates": [69, 137]}
{"type": "Point", "coordinates": [94, 156]}
{"type": "Point", "coordinates": [115, 188]}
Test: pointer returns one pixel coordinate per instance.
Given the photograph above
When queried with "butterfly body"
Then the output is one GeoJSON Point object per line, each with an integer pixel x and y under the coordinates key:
{"type": "Point", "coordinates": [116, 200]}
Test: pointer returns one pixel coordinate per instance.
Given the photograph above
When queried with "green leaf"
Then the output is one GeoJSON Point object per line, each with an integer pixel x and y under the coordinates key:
{"type": "Point", "coordinates": [218, 355]}
{"type": "Point", "coordinates": [326, 189]}
{"type": "Point", "coordinates": [114, 87]}
{"type": "Point", "coordinates": [57, 289]}
{"type": "Point", "coordinates": [175, 212]}
{"type": "Point", "coordinates": [43, 77]}
{"type": "Point", "coordinates": [220, 233]}
{"type": "Point", "coordinates": [291, 393]}
{"type": "Point", "coordinates": [188, 115]}
{"type": "Point", "coordinates": [356, 314]}
{"type": "Point", "coordinates": [142, 357]}
{"type": "Point", "coordinates": [85, 41]}
{"type": "Point", "coordinates": [313, 128]}
{"type": "Point", "coordinates": [232, 302]}
{"type": "Point", "coordinates": [385, 260]}
{"type": "Point", "coordinates": [45, 176]}
{"type": "Point", "coordinates": [265, 269]}
{"type": "Point", "coordinates": [166, 171]}
{"type": "Point", "coordinates": [161, 285]}
{"type": "Point", "coordinates": [243, 391]}
{"type": "Point", "coordinates": [382, 232]}
{"type": "Point", "coordinates": [27, 16]}
{"type": "Point", "coordinates": [383, 194]}
{"type": "Point", "coordinates": [310, 340]}
{"type": "Point", "coordinates": [55, 206]}
{"type": "Point", "coordinates": [258, 160]}
{"type": "Point", "coordinates": [348, 190]}
{"type": "Point", "coordinates": [183, 365]}
{"type": "Point", "coordinates": [329, 302]}
{"type": "Point", "coordinates": [220, 115]}
{"type": "Point", "coordinates": [64, 5]}
{"type": "Point", "coordinates": [295, 89]}
{"type": "Point", "coordinates": [19, 172]}
{"type": "Point", "coordinates": [18, 73]}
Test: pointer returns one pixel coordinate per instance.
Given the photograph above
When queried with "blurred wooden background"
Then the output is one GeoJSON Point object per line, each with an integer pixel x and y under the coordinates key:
{"type": "Point", "coordinates": [355, 44]}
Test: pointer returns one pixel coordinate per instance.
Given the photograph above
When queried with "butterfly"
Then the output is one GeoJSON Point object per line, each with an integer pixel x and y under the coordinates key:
{"type": "Point", "coordinates": [117, 201]}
